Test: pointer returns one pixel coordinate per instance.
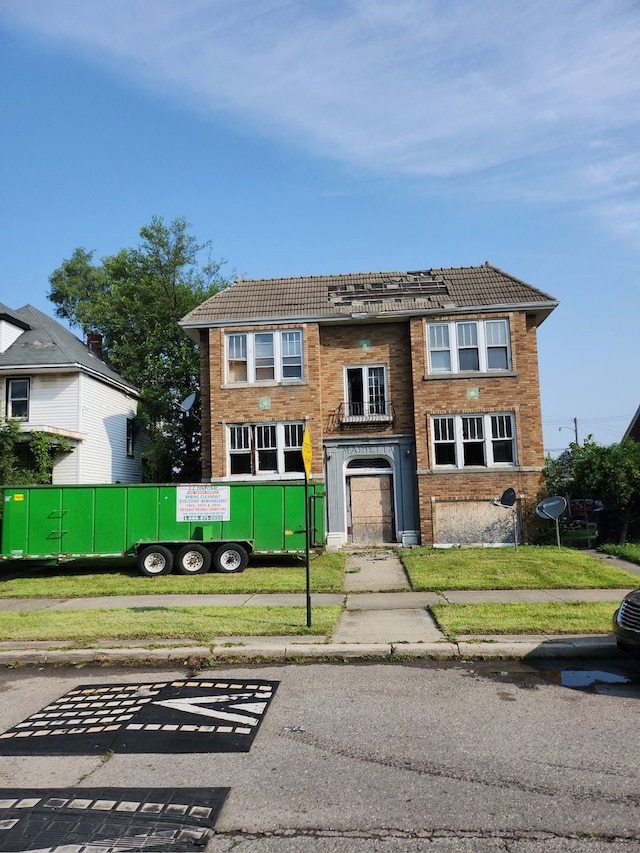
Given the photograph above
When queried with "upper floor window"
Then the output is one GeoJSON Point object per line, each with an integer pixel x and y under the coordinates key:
{"type": "Point", "coordinates": [268, 448]}
{"type": "Point", "coordinates": [130, 437]}
{"type": "Point", "coordinates": [469, 346]}
{"type": "Point", "coordinates": [462, 441]}
{"type": "Point", "coordinates": [264, 356]}
{"type": "Point", "coordinates": [366, 392]}
{"type": "Point", "coordinates": [18, 399]}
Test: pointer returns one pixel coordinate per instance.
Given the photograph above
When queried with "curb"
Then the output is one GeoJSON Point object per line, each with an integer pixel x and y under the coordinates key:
{"type": "Point", "coordinates": [524, 649]}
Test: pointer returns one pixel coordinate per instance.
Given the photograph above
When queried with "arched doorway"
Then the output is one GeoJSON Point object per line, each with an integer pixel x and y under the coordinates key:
{"type": "Point", "coordinates": [370, 504]}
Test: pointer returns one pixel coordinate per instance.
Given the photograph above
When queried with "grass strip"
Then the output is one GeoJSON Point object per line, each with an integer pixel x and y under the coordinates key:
{"type": "Point", "coordinates": [576, 617]}
{"type": "Point", "coordinates": [530, 567]}
{"type": "Point", "coordinates": [200, 624]}
{"type": "Point", "coordinates": [104, 577]}
{"type": "Point", "coordinates": [625, 552]}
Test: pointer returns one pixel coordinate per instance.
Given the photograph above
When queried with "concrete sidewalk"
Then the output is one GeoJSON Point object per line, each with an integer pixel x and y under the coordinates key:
{"type": "Point", "coordinates": [382, 619]}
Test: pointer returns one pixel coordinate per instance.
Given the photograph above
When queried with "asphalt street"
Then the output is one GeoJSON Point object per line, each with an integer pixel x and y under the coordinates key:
{"type": "Point", "coordinates": [517, 756]}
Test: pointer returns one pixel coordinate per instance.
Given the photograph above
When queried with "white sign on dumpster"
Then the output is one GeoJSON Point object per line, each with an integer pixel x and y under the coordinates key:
{"type": "Point", "coordinates": [202, 503]}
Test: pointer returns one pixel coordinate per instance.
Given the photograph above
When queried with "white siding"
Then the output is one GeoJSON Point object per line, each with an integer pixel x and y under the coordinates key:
{"type": "Point", "coordinates": [54, 401]}
{"type": "Point", "coordinates": [102, 455]}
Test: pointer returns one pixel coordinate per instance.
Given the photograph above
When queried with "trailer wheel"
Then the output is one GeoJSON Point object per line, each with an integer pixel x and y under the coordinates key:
{"type": "Point", "coordinates": [230, 558]}
{"type": "Point", "coordinates": [155, 560]}
{"type": "Point", "coordinates": [193, 560]}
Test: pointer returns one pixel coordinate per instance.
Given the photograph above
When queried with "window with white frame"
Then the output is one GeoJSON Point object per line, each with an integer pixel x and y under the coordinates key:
{"type": "Point", "coordinates": [462, 441]}
{"type": "Point", "coordinates": [264, 356]}
{"type": "Point", "coordinates": [267, 448]}
{"type": "Point", "coordinates": [469, 346]}
{"type": "Point", "coordinates": [18, 399]}
{"type": "Point", "coordinates": [366, 391]}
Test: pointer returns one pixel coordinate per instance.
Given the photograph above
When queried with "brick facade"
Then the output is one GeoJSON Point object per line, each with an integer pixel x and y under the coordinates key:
{"type": "Point", "coordinates": [393, 335]}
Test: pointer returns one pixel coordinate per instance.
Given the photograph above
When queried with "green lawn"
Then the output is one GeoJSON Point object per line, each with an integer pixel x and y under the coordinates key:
{"type": "Point", "coordinates": [625, 552]}
{"type": "Point", "coordinates": [91, 578]}
{"type": "Point", "coordinates": [523, 618]}
{"type": "Point", "coordinates": [182, 624]}
{"type": "Point", "coordinates": [530, 567]}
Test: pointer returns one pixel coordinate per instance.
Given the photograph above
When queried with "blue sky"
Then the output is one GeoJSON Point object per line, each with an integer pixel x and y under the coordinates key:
{"type": "Point", "coordinates": [329, 136]}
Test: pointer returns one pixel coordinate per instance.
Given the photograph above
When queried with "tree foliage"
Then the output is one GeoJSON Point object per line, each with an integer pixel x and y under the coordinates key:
{"type": "Point", "coordinates": [610, 474]}
{"type": "Point", "coordinates": [134, 299]}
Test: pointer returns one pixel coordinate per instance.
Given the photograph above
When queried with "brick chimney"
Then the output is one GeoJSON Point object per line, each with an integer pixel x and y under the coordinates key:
{"type": "Point", "coordinates": [94, 344]}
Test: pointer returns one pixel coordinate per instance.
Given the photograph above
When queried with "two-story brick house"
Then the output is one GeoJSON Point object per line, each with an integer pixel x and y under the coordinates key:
{"type": "Point", "coordinates": [420, 391]}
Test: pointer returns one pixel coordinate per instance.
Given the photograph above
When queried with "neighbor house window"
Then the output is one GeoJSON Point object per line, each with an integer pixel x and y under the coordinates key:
{"type": "Point", "coordinates": [130, 437]}
{"type": "Point", "coordinates": [265, 449]}
{"type": "Point", "coordinates": [464, 441]}
{"type": "Point", "coordinates": [18, 399]}
{"type": "Point", "coordinates": [366, 391]}
{"type": "Point", "coordinates": [264, 356]}
{"type": "Point", "coordinates": [469, 347]}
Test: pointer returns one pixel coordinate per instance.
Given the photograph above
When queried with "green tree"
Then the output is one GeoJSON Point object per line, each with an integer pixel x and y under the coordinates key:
{"type": "Point", "coordinates": [612, 475]}
{"type": "Point", "coordinates": [134, 299]}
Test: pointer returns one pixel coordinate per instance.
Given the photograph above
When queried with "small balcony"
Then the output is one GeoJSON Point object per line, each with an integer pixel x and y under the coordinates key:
{"type": "Point", "coordinates": [376, 412]}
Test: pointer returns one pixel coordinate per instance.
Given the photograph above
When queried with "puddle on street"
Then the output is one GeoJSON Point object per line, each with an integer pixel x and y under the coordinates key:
{"type": "Point", "coordinates": [586, 678]}
{"type": "Point", "coordinates": [615, 680]}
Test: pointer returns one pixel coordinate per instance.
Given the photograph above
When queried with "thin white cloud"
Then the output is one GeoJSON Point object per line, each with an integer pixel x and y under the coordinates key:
{"type": "Point", "coordinates": [524, 95]}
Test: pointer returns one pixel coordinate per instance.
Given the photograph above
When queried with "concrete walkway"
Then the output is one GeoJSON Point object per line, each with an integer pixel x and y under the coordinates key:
{"type": "Point", "coordinates": [382, 619]}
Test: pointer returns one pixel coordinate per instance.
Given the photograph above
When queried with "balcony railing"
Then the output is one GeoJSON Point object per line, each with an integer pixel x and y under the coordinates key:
{"type": "Point", "coordinates": [379, 411]}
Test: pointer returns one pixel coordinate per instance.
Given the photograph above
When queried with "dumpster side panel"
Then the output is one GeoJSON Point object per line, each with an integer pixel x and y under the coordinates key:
{"type": "Point", "coordinates": [268, 516]}
{"type": "Point", "coordinates": [294, 517]}
{"type": "Point", "coordinates": [110, 520]}
{"type": "Point", "coordinates": [142, 515]}
{"type": "Point", "coordinates": [169, 529]}
{"type": "Point", "coordinates": [15, 522]}
{"type": "Point", "coordinates": [240, 527]}
{"type": "Point", "coordinates": [77, 530]}
{"type": "Point", "coordinates": [45, 521]}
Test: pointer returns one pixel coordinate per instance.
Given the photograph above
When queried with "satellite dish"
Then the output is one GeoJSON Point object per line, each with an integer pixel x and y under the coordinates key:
{"type": "Point", "coordinates": [188, 402]}
{"type": "Point", "coordinates": [551, 508]}
{"type": "Point", "coordinates": [508, 498]}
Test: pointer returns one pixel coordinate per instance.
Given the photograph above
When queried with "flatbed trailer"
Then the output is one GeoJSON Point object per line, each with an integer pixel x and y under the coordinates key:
{"type": "Point", "coordinates": [189, 527]}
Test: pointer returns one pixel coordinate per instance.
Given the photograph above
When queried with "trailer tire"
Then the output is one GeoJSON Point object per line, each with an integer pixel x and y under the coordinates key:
{"type": "Point", "coordinates": [155, 560]}
{"type": "Point", "coordinates": [230, 558]}
{"type": "Point", "coordinates": [193, 560]}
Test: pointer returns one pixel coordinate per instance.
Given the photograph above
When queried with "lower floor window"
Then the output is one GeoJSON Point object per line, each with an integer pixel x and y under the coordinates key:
{"type": "Point", "coordinates": [462, 441]}
{"type": "Point", "coordinates": [273, 448]}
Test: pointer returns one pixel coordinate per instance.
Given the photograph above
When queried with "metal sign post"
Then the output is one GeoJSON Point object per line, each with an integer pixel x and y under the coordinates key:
{"type": "Point", "coordinates": [306, 458]}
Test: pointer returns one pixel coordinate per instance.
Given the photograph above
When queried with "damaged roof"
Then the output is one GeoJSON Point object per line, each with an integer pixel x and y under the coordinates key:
{"type": "Point", "coordinates": [374, 295]}
{"type": "Point", "coordinates": [45, 343]}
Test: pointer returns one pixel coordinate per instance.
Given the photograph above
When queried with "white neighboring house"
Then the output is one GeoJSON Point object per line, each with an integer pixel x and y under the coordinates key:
{"type": "Point", "coordinates": [54, 383]}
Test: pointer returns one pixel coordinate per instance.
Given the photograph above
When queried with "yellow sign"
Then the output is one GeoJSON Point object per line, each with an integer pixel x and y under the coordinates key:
{"type": "Point", "coordinates": [306, 452]}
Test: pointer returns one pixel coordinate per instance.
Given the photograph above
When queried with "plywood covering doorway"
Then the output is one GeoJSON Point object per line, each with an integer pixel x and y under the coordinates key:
{"type": "Point", "coordinates": [370, 509]}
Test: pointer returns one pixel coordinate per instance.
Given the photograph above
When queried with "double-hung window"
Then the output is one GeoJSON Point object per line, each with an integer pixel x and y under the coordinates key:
{"type": "Point", "coordinates": [273, 449]}
{"type": "Point", "coordinates": [469, 347]}
{"type": "Point", "coordinates": [463, 441]}
{"type": "Point", "coordinates": [366, 392]}
{"type": "Point", "coordinates": [18, 399]}
{"type": "Point", "coordinates": [264, 356]}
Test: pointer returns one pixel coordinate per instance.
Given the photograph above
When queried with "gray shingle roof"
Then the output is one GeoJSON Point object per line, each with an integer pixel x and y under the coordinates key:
{"type": "Point", "coordinates": [46, 343]}
{"type": "Point", "coordinates": [327, 297]}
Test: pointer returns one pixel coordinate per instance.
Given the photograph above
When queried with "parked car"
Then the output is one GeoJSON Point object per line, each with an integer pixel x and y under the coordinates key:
{"type": "Point", "coordinates": [626, 623]}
